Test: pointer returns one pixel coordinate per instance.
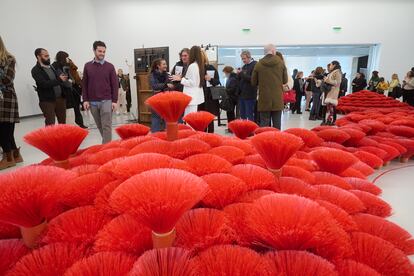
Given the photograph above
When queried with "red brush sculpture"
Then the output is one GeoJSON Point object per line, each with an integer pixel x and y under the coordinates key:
{"type": "Point", "coordinates": [291, 262]}
{"type": "Point", "coordinates": [374, 204]}
{"type": "Point", "coordinates": [331, 179]}
{"type": "Point", "coordinates": [224, 189]}
{"type": "Point", "coordinates": [85, 169]}
{"type": "Point", "coordinates": [103, 263]}
{"type": "Point", "coordinates": [186, 147]}
{"type": "Point", "coordinates": [57, 141]}
{"type": "Point", "coordinates": [232, 154]}
{"type": "Point", "coordinates": [370, 159]}
{"type": "Point", "coordinates": [255, 177]}
{"type": "Point", "coordinates": [310, 138]}
{"type": "Point", "coordinates": [363, 185]}
{"type": "Point", "coordinates": [299, 173]}
{"type": "Point", "coordinates": [264, 129]}
{"type": "Point", "coordinates": [252, 196]}
{"type": "Point", "coordinates": [214, 140]}
{"type": "Point", "coordinates": [199, 120]}
{"type": "Point", "coordinates": [132, 130]}
{"type": "Point", "coordinates": [363, 168]}
{"type": "Point", "coordinates": [8, 231]}
{"type": "Point", "coordinates": [201, 228]}
{"type": "Point", "coordinates": [159, 198]}
{"type": "Point", "coordinates": [305, 164]}
{"type": "Point", "coordinates": [10, 252]}
{"type": "Point", "coordinates": [343, 218]}
{"type": "Point", "coordinates": [291, 185]}
{"type": "Point", "coordinates": [333, 160]}
{"type": "Point", "coordinates": [171, 261]}
{"type": "Point", "coordinates": [107, 155]}
{"type": "Point", "coordinates": [27, 200]}
{"type": "Point", "coordinates": [231, 260]}
{"type": "Point", "coordinates": [352, 268]}
{"type": "Point", "coordinates": [170, 106]}
{"type": "Point", "coordinates": [53, 259]}
{"type": "Point", "coordinates": [124, 233]}
{"type": "Point", "coordinates": [334, 135]}
{"type": "Point", "coordinates": [153, 146]}
{"type": "Point", "coordinates": [236, 213]}
{"type": "Point", "coordinates": [205, 163]}
{"type": "Point", "coordinates": [101, 201]}
{"type": "Point", "coordinates": [242, 128]}
{"type": "Point", "coordinates": [255, 159]}
{"type": "Point", "coordinates": [135, 141]}
{"type": "Point", "coordinates": [244, 145]}
{"type": "Point", "coordinates": [276, 148]}
{"type": "Point", "coordinates": [344, 199]}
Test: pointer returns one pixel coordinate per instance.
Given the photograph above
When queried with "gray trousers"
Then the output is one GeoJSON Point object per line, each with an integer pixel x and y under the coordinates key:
{"type": "Point", "coordinates": [102, 114]}
{"type": "Point", "coordinates": [271, 118]}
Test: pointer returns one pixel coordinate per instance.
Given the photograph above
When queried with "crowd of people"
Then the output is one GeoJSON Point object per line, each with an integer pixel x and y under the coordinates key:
{"type": "Point", "coordinates": [253, 92]}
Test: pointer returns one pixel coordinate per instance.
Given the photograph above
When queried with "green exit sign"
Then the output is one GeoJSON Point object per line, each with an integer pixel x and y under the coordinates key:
{"type": "Point", "coordinates": [246, 30]}
{"type": "Point", "coordinates": [337, 29]}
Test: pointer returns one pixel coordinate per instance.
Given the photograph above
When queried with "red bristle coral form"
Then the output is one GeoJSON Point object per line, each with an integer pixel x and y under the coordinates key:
{"type": "Point", "coordinates": [255, 159]}
{"type": "Point", "coordinates": [374, 205]}
{"type": "Point", "coordinates": [333, 160]}
{"type": "Point", "coordinates": [370, 159]}
{"type": "Point", "coordinates": [124, 233]}
{"type": "Point", "coordinates": [363, 185]}
{"type": "Point", "coordinates": [375, 125]}
{"type": "Point", "coordinates": [363, 168]}
{"type": "Point", "coordinates": [252, 196]}
{"type": "Point", "coordinates": [334, 135]}
{"type": "Point", "coordinates": [186, 147]}
{"type": "Point", "coordinates": [344, 199]}
{"type": "Point", "coordinates": [355, 135]}
{"type": "Point", "coordinates": [381, 255]}
{"type": "Point", "coordinates": [305, 164]}
{"type": "Point", "coordinates": [403, 131]}
{"type": "Point", "coordinates": [10, 252]}
{"type": "Point", "coordinates": [9, 231]}
{"type": "Point", "coordinates": [231, 260]}
{"type": "Point", "coordinates": [199, 120]}
{"type": "Point", "coordinates": [311, 227]}
{"type": "Point", "coordinates": [79, 225]}
{"type": "Point", "coordinates": [85, 169]}
{"type": "Point", "coordinates": [291, 185]}
{"type": "Point", "coordinates": [244, 145]}
{"type": "Point", "coordinates": [159, 197]}
{"type": "Point", "coordinates": [264, 129]}
{"type": "Point", "coordinates": [101, 201]}
{"type": "Point", "coordinates": [299, 173]}
{"type": "Point", "coordinates": [132, 130]}
{"type": "Point", "coordinates": [352, 268]}
{"type": "Point", "coordinates": [82, 190]}
{"type": "Point", "coordinates": [291, 262]}
{"type": "Point", "coordinates": [310, 138]}
{"type": "Point", "coordinates": [201, 228]}
{"type": "Point", "coordinates": [57, 141]}
{"type": "Point", "coordinates": [232, 154]}
{"type": "Point", "coordinates": [107, 155]}
{"type": "Point", "coordinates": [386, 230]}
{"type": "Point", "coordinates": [214, 140]}
{"type": "Point", "coordinates": [276, 148]}
{"type": "Point", "coordinates": [103, 263]}
{"type": "Point", "coordinates": [170, 106]}
{"type": "Point", "coordinates": [242, 128]}
{"type": "Point", "coordinates": [255, 177]}
{"type": "Point", "coordinates": [133, 142]}
{"type": "Point", "coordinates": [236, 213]}
{"type": "Point", "coordinates": [351, 172]}
{"type": "Point", "coordinates": [205, 163]}
{"type": "Point", "coordinates": [224, 189]}
{"type": "Point", "coordinates": [30, 196]}
{"type": "Point", "coordinates": [322, 178]}
{"type": "Point", "coordinates": [53, 259]}
{"type": "Point", "coordinates": [343, 218]}
{"type": "Point", "coordinates": [171, 261]}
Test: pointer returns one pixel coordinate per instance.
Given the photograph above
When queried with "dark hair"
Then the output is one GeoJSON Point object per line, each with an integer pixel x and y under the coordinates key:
{"type": "Point", "coordinates": [362, 75]}
{"type": "Point", "coordinates": [411, 74]}
{"type": "Point", "coordinates": [38, 51]}
{"type": "Point", "coordinates": [336, 65]}
{"type": "Point", "coordinates": [381, 79]}
{"type": "Point", "coordinates": [61, 57]}
{"type": "Point", "coordinates": [184, 50]}
{"type": "Point", "coordinates": [375, 73]}
{"type": "Point", "coordinates": [197, 56]}
{"type": "Point", "coordinates": [97, 44]}
{"type": "Point", "coordinates": [319, 70]}
{"type": "Point", "coordinates": [228, 69]}
{"type": "Point", "coordinates": [157, 62]}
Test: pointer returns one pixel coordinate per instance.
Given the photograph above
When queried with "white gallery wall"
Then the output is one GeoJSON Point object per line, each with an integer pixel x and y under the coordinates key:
{"type": "Point", "coordinates": [128, 24]}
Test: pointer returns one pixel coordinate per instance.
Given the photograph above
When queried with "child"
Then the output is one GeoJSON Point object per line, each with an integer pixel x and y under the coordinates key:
{"type": "Point", "coordinates": [382, 86]}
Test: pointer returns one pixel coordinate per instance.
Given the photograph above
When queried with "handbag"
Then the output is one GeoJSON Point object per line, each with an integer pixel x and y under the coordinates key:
{"type": "Point", "coordinates": [227, 104]}
{"type": "Point", "coordinates": [289, 96]}
{"type": "Point", "coordinates": [218, 92]}
{"type": "Point", "coordinates": [326, 87]}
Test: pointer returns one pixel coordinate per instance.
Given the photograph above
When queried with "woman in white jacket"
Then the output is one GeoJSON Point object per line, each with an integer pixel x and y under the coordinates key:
{"type": "Point", "coordinates": [193, 80]}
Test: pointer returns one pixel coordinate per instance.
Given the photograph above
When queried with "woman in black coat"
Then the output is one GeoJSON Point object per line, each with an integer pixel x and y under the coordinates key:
{"type": "Point", "coordinates": [298, 87]}
{"type": "Point", "coordinates": [232, 90]}
{"type": "Point", "coordinates": [359, 83]}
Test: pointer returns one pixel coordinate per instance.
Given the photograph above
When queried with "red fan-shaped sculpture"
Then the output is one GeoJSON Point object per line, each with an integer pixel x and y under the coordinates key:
{"type": "Point", "coordinates": [231, 260]}
{"type": "Point", "coordinates": [199, 120]}
{"type": "Point", "coordinates": [171, 261]}
{"type": "Point", "coordinates": [57, 141]}
{"type": "Point", "coordinates": [224, 189]}
{"type": "Point", "coordinates": [317, 231]}
{"type": "Point", "coordinates": [351, 172]}
{"type": "Point", "coordinates": [103, 263]}
{"type": "Point", "coordinates": [30, 196]}
{"type": "Point", "coordinates": [333, 160]}
{"type": "Point", "coordinates": [344, 199]}
{"type": "Point", "coordinates": [255, 177]}
{"type": "Point", "coordinates": [244, 145]}
{"type": "Point", "coordinates": [291, 185]}
{"type": "Point", "coordinates": [404, 131]}
{"type": "Point", "coordinates": [276, 148]}
{"type": "Point", "coordinates": [363, 168]}
{"type": "Point", "coordinates": [331, 179]}
{"type": "Point", "coordinates": [252, 196]}
{"type": "Point", "coordinates": [305, 164]}
{"type": "Point", "coordinates": [85, 169]}
{"type": "Point", "coordinates": [186, 147]}
{"type": "Point", "coordinates": [201, 228]}
{"type": "Point", "coordinates": [291, 262]}
{"type": "Point", "coordinates": [255, 159]}
{"type": "Point", "coordinates": [79, 225]}
{"type": "Point", "coordinates": [214, 140]}
{"type": "Point", "coordinates": [135, 141]}
{"type": "Point", "coordinates": [107, 155]}
{"type": "Point", "coordinates": [82, 190]}
{"type": "Point", "coordinates": [132, 130]}
{"type": "Point", "coordinates": [386, 230]}
{"type": "Point", "coordinates": [334, 135]}
{"type": "Point", "coordinates": [242, 128]}
{"type": "Point", "coordinates": [375, 125]}
{"type": "Point", "coordinates": [236, 213]}
{"type": "Point", "coordinates": [310, 138]}
{"type": "Point", "coordinates": [381, 255]}
{"type": "Point", "coordinates": [206, 163]}
{"type": "Point", "coordinates": [170, 106]}
{"type": "Point", "coordinates": [159, 198]}
{"type": "Point", "coordinates": [363, 185]}
{"type": "Point", "coordinates": [343, 218]}
{"type": "Point", "coordinates": [370, 159]}
{"type": "Point", "coordinates": [299, 173]}
{"type": "Point", "coordinates": [10, 252]}
{"type": "Point", "coordinates": [8, 231]}
{"type": "Point", "coordinates": [355, 135]}
{"type": "Point", "coordinates": [124, 233]}
{"type": "Point", "coordinates": [232, 154]}
{"type": "Point", "coordinates": [52, 259]}
{"type": "Point", "coordinates": [374, 205]}
{"type": "Point", "coordinates": [101, 202]}
{"type": "Point", "coordinates": [154, 146]}
{"type": "Point", "coordinates": [264, 129]}
{"type": "Point", "coordinates": [352, 268]}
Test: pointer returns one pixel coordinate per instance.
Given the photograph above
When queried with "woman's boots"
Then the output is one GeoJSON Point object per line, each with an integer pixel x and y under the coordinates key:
{"type": "Point", "coordinates": [17, 156]}
{"type": "Point", "coordinates": [10, 159]}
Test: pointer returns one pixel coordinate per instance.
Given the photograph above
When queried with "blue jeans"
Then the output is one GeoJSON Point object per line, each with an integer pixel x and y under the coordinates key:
{"type": "Point", "coordinates": [157, 123]}
{"type": "Point", "coordinates": [247, 109]}
{"type": "Point", "coordinates": [316, 106]}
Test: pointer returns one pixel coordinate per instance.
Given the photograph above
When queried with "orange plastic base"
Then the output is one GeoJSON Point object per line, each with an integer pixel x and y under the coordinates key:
{"type": "Point", "coordinates": [387, 163]}
{"type": "Point", "coordinates": [163, 240]}
{"type": "Point", "coordinates": [404, 159]}
{"type": "Point", "coordinates": [172, 131]}
{"type": "Point", "coordinates": [63, 164]}
{"type": "Point", "coordinates": [276, 173]}
{"type": "Point", "coordinates": [31, 235]}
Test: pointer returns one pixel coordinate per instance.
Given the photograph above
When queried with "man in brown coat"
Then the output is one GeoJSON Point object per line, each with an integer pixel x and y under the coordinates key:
{"type": "Point", "coordinates": [270, 75]}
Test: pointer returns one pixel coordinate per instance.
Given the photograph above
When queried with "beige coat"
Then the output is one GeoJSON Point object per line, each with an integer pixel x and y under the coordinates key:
{"type": "Point", "coordinates": [334, 78]}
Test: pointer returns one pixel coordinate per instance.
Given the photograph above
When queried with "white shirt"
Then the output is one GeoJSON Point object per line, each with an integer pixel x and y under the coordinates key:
{"type": "Point", "coordinates": [191, 83]}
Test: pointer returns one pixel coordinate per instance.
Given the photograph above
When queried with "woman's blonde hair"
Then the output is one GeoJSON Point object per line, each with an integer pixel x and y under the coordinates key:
{"type": "Point", "coordinates": [4, 54]}
{"type": "Point", "coordinates": [205, 56]}
{"type": "Point", "coordinates": [394, 76]}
